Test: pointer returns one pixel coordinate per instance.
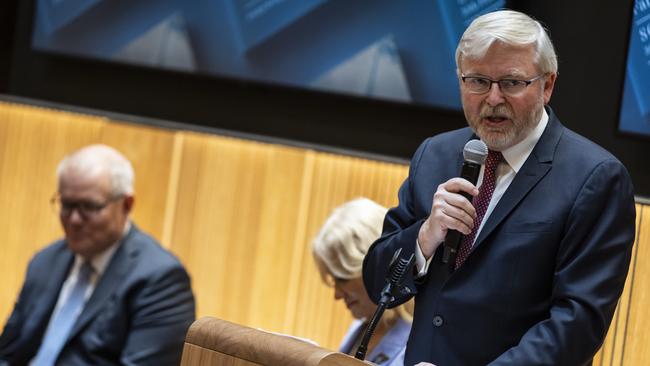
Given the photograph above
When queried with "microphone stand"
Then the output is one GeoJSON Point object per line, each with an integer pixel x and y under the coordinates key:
{"type": "Point", "coordinates": [363, 346]}
{"type": "Point", "coordinates": [395, 286]}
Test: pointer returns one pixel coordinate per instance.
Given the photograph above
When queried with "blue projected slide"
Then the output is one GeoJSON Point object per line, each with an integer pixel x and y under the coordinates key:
{"type": "Point", "coordinates": [635, 107]}
{"type": "Point", "coordinates": [260, 19]}
{"type": "Point", "coordinates": [386, 49]}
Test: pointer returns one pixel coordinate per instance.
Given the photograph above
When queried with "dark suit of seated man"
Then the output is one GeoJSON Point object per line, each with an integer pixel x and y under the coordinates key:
{"type": "Point", "coordinates": [107, 293]}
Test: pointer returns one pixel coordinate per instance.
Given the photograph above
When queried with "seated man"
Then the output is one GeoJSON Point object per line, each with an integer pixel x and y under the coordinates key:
{"type": "Point", "coordinates": [107, 293]}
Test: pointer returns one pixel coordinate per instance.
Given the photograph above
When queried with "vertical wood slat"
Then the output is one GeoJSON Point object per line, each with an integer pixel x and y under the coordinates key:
{"type": "Point", "coordinates": [613, 349]}
{"type": "Point", "coordinates": [205, 229]}
{"type": "Point", "coordinates": [299, 248]}
{"type": "Point", "coordinates": [635, 350]}
{"type": "Point", "coordinates": [172, 188]}
{"type": "Point", "coordinates": [150, 151]}
{"type": "Point", "coordinates": [240, 215]}
{"type": "Point", "coordinates": [336, 179]}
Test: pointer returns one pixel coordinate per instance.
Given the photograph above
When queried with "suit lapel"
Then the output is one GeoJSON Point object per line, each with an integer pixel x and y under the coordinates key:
{"type": "Point", "coordinates": [534, 169]}
{"type": "Point", "coordinates": [115, 273]}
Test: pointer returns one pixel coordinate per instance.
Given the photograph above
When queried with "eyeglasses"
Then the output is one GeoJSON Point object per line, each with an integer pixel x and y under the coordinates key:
{"type": "Point", "coordinates": [86, 209]}
{"type": "Point", "coordinates": [512, 87]}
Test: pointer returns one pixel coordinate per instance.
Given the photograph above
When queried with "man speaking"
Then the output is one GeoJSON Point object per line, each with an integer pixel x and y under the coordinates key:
{"type": "Point", "coordinates": [546, 237]}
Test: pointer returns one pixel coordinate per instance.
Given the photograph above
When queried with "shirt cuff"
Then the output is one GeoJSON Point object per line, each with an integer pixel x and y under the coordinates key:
{"type": "Point", "coordinates": [421, 264]}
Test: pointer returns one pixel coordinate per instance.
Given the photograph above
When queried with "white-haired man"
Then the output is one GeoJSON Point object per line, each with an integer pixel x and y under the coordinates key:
{"type": "Point", "coordinates": [548, 234]}
{"type": "Point", "coordinates": [107, 293]}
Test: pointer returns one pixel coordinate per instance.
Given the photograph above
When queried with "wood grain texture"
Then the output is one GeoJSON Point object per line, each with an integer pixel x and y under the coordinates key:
{"type": "Point", "coordinates": [199, 356]}
{"type": "Point", "coordinates": [336, 179]}
{"type": "Point", "coordinates": [150, 151]}
{"type": "Point", "coordinates": [239, 214]}
{"type": "Point", "coordinates": [634, 348]}
{"type": "Point", "coordinates": [232, 342]}
{"type": "Point", "coordinates": [625, 343]}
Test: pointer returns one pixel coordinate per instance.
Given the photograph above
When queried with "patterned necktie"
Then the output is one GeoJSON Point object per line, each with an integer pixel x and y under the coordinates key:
{"type": "Point", "coordinates": [59, 328]}
{"type": "Point", "coordinates": [481, 203]}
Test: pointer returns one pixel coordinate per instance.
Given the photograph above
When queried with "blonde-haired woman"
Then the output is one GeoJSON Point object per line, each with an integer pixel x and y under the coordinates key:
{"type": "Point", "coordinates": [339, 249]}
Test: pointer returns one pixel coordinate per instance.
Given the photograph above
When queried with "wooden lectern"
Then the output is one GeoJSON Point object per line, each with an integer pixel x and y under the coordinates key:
{"type": "Point", "coordinates": [212, 341]}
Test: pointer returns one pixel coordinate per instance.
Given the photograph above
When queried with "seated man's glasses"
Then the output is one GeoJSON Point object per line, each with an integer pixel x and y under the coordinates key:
{"type": "Point", "coordinates": [86, 209]}
{"type": "Point", "coordinates": [480, 85]}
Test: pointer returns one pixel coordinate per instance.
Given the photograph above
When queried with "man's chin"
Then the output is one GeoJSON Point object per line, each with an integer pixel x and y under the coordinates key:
{"type": "Point", "coordinates": [495, 140]}
{"type": "Point", "coordinates": [79, 247]}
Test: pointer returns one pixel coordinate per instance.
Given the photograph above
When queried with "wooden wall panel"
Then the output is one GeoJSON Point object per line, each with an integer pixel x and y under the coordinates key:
{"type": "Point", "coordinates": [150, 151]}
{"type": "Point", "coordinates": [336, 179]}
{"type": "Point", "coordinates": [236, 215]}
{"type": "Point", "coordinates": [278, 248]}
{"type": "Point", "coordinates": [613, 349]}
{"type": "Point", "coordinates": [634, 349]}
{"type": "Point", "coordinates": [239, 214]}
{"type": "Point", "coordinates": [206, 232]}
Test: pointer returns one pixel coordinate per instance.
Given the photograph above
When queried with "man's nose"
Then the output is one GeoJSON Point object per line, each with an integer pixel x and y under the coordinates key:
{"type": "Point", "coordinates": [75, 216]}
{"type": "Point", "coordinates": [495, 95]}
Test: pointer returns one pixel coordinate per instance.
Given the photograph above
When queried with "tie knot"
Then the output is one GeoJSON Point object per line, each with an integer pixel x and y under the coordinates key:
{"type": "Point", "coordinates": [86, 270]}
{"type": "Point", "coordinates": [493, 159]}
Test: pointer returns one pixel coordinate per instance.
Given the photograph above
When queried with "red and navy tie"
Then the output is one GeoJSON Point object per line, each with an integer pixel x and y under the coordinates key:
{"type": "Point", "coordinates": [481, 203]}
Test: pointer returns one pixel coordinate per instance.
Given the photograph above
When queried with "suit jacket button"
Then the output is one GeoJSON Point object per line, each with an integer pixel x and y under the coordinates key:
{"type": "Point", "coordinates": [437, 321]}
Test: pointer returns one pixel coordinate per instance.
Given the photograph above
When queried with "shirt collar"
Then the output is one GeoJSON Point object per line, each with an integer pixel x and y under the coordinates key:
{"type": "Point", "coordinates": [516, 155]}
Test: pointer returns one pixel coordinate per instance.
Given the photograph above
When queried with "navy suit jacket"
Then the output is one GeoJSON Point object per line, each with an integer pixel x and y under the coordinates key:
{"type": "Point", "coordinates": [138, 314]}
{"type": "Point", "coordinates": [543, 279]}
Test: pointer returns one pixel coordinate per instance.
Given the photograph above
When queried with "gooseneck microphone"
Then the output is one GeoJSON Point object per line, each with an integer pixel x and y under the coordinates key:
{"type": "Point", "coordinates": [394, 286]}
{"type": "Point", "coordinates": [475, 152]}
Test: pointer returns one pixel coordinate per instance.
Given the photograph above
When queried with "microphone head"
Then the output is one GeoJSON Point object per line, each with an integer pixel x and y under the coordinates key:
{"type": "Point", "coordinates": [475, 151]}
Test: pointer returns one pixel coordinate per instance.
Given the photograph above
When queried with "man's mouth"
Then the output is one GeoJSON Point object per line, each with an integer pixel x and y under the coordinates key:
{"type": "Point", "coordinates": [496, 119]}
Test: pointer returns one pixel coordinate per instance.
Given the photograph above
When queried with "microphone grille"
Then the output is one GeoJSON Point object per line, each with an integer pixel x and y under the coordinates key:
{"type": "Point", "coordinates": [475, 151]}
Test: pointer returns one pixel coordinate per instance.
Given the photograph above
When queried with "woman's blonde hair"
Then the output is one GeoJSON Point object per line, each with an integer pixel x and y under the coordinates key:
{"type": "Point", "coordinates": [345, 237]}
{"type": "Point", "coordinates": [344, 240]}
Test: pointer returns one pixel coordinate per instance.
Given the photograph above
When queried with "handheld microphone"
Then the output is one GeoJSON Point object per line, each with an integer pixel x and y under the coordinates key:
{"type": "Point", "coordinates": [475, 152]}
{"type": "Point", "coordinates": [397, 268]}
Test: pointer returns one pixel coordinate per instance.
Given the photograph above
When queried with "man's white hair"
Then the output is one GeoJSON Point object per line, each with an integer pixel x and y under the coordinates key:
{"type": "Point", "coordinates": [94, 159]}
{"type": "Point", "coordinates": [509, 27]}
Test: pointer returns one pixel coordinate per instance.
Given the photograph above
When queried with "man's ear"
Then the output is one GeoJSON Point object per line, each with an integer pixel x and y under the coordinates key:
{"type": "Point", "coordinates": [129, 201]}
{"type": "Point", "coordinates": [549, 84]}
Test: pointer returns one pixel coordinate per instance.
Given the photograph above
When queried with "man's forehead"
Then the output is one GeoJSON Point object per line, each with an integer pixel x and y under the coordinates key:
{"type": "Point", "coordinates": [74, 179]}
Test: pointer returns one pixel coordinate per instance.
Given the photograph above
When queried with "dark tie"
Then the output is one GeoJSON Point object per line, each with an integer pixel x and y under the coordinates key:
{"type": "Point", "coordinates": [59, 328]}
{"type": "Point", "coordinates": [481, 203]}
